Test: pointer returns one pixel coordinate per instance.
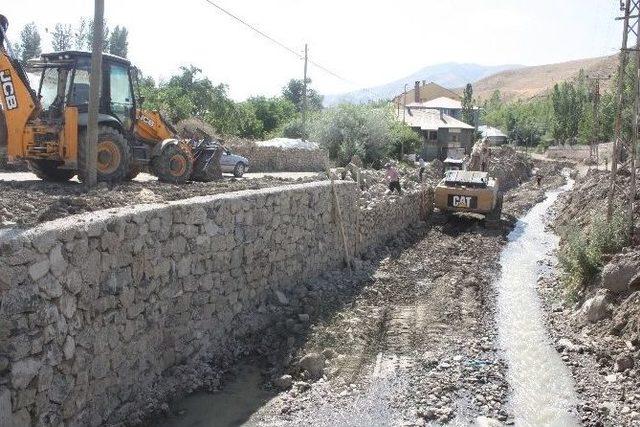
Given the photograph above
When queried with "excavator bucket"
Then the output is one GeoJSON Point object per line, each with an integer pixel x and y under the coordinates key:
{"type": "Point", "coordinates": [206, 165]}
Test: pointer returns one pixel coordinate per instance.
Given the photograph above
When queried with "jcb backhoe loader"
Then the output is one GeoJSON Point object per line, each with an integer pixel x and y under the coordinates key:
{"type": "Point", "coordinates": [47, 126]}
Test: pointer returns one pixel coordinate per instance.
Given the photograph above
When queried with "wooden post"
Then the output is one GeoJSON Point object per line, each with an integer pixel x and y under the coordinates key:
{"type": "Point", "coordinates": [90, 148]}
{"type": "Point", "coordinates": [343, 234]}
{"type": "Point", "coordinates": [304, 94]}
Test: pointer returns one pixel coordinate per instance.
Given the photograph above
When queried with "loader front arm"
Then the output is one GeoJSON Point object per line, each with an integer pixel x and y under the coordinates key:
{"type": "Point", "coordinates": [18, 102]}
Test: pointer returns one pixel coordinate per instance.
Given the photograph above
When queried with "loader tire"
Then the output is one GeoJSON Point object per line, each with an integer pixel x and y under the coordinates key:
{"type": "Point", "coordinates": [114, 156]}
{"type": "Point", "coordinates": [173, 165]}
{"type": "Point", "coordinates": [239, 170]}
{"type": "Point", "coordinates": [47, 170]}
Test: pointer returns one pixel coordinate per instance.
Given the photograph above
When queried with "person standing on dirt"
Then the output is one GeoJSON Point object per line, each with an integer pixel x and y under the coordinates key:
{"type": "Point", "coordinates": [422, 165]}
{"type": "Point", "coordinates": [393, 178]}
{"type": "Point", "coordinates": [539, 179]}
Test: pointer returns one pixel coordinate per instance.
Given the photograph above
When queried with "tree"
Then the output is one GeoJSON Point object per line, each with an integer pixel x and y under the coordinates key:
{"type": "Point", "coordinates": [294, 91]}
{"type": "Point", "coordinates": [467, 105]}
{"type": "Point", "coordinates": [272, 112]}
{"type": "Point", "coordinates": [372, 133]}
{"type": "Point", "coordinates": [30, 42]}
{"type": "Point", "coordinates": [189, 95]}
{"type": "Point", "coordinates": [62, 37]}
{"type": "Point", "coordinates": [118, 43]}
{"type": "Point", "coordinates": [84, 35]}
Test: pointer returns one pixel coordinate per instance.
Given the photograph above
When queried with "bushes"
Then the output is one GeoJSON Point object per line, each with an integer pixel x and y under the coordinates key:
{"type": "Point", "coordinates": [582, 255]}
{"type": "Point", "coordinates": [371, 132]}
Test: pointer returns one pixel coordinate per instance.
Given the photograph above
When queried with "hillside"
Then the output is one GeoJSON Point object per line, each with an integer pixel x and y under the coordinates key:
{"type": "Point", "coordinates": [529, 82]}
{"type": "Point", "coordinates": [449, 75]}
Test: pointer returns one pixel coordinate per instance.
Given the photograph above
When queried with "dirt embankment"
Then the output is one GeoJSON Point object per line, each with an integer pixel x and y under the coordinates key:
{"type": "Point", "coordinates": [27, 203]}
{"type": "Point", "coordinates": [598, 331]}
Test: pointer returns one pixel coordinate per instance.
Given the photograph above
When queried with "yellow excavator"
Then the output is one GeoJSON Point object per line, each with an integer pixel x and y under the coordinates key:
{"type": "Point", "coordinates": [46, 126]}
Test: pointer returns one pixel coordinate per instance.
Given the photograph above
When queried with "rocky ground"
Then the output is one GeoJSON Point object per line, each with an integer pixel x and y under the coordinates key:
{"type": "Point", "coordinates": [408, 338]}
{"type": "Point", "coordinates": [598, 331]}
{"type": "Point", "coordinates": [27, 203]}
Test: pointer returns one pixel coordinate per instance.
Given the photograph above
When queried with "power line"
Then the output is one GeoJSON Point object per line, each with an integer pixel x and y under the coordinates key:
{"type": "Point", "coordinates": [280, 44]}
{"type": "Point", "coordinates": [262, 33]}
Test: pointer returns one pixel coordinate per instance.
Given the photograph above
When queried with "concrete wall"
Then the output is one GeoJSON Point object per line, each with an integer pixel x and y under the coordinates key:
{"type": "Point", "coordinates": [105, 315]}
{"type": "Point", "coordinates": [275, 159]}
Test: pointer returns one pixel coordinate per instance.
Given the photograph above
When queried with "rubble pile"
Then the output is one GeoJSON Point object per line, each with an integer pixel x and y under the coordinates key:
{"type": "Point", "coordinates": [510, 167]}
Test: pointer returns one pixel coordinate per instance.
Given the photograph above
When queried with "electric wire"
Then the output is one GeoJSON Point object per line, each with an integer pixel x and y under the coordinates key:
{"type": "Point", "coordinates": [283, 46]}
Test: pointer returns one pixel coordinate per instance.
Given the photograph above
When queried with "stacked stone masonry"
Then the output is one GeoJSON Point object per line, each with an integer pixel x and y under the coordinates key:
{"type": "Point", "coordinates": [276, 159]}
{"type": "Point", "coordinates": [102, 313]}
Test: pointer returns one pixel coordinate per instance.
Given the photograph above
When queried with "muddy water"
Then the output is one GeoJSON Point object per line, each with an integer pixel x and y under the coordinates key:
{"type": "Point", "coordinates": [543, 390]}
{"type": "Point", "coordinates": [233, 407]}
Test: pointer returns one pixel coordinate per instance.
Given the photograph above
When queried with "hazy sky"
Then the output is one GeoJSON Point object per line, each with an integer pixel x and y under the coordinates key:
{"type": "Point", "coordinates": [367, 42]}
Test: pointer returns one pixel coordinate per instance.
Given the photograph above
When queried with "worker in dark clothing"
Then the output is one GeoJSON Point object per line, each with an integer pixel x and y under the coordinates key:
{"type": "Point", "coordinates": [393, 178]}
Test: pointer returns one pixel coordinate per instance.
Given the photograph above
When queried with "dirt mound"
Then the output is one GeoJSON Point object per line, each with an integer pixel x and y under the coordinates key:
{"type": "Point", "coordinates": [588, 199]}
{"type": "Point", "coordinates": [510, 167]}
{"type": "Point", "coordinates": [27, 203]}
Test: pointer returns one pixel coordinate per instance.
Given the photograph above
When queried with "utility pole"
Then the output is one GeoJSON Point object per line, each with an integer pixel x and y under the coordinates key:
{"type": "Point", "coordinates": [304, 93]}
{"type": "Point", "coordinates": [631, 9]}
{"type": "Point", "coordinates": [95, 80]}
{"type": "Point", "coordinates": [595, 93]}
{"type": "Point", "coordinates": [404, 105]}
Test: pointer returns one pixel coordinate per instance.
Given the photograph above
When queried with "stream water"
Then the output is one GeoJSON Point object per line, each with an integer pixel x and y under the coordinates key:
{"type": "Point", "coordinates": [543, 390]}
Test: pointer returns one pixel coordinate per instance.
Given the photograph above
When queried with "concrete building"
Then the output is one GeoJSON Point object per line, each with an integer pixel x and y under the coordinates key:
{"type": "Point", "coordinates": [435, 97]}
{"type": "Point", "coordinates": [494, 135]}
{"type": "Point", "coordinates": [442, 135]}
{"type": "Point", "coordinates": [450, 107]}
{"type": "Point", "coordinates": [425, 92]}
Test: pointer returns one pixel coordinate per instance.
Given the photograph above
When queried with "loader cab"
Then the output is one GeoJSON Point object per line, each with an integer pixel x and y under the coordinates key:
{"type": "Point", "coordinates": [65, 82]}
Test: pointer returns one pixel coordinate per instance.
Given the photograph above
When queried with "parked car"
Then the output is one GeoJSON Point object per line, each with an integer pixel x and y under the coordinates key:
{"type": "Point", "coordinates": [233, 163]}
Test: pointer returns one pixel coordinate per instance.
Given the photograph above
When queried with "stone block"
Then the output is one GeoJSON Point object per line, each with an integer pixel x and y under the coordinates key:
{"type": "Point", "coordinates": [23, 371]}
{"type": "Point", "coordinates": [39, 269]}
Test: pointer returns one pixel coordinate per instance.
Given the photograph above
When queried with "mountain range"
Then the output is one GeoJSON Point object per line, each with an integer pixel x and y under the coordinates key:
{"type": "Point", "coordinates": [513, 81]}
{"type": "Point", "coordinates": [449, 75]}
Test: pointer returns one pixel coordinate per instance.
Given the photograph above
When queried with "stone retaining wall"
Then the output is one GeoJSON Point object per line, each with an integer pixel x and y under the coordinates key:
{"type": "Point", "coordinates": [103, 315]}
{"type": "Point", "coordinates": [579, 152]}
{"type": "Point", "coordinates": [275, 159]}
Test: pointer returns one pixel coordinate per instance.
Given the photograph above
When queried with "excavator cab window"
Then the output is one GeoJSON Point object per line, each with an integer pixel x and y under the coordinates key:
{"type": "Point", "coordinates": [52, 90]}
{"type": "Point", "coordinates": [121, 91]}
{"type": "Point", "coordinates": [79, 94]}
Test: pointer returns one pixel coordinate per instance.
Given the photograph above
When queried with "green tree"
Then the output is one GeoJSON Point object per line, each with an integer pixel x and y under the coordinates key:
{"type": "Point", "coordinates": [246, 123]}
{"type": "Point", "coordinates": [372, 133]}
{"type": "Point", "coordinates": [62, 37]}
{"type": "Point", "coordinates": [84, 35]}
{"type": "Point", "coordinates": [188, 95]}
{"type": "Point", "coordinates": [272, 112]}
{"type": "Point", "coordinates": [81, 35]}
{"type": "Point", "coordinates": [467, 105]}
{"type": "Point", "coordinates": [118, 42]}
{"type": "Point", "coordinates": [294, 91]}
{"type": "Point", "coordinates": [30, 42]}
